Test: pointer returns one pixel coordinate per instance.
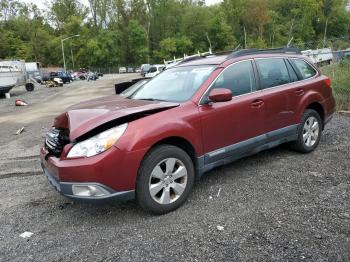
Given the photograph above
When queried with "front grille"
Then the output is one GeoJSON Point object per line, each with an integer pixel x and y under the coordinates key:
{"type": "Point", "coordinates": [56, 139]}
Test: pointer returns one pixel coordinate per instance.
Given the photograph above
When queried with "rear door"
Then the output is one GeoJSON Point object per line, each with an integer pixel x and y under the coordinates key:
{"type": "Point", "coordinates": [232, 128]}
{"type": "Point", "coordinates": [307, 82]}
{"type": "Point", "coordinates": [276, 82]}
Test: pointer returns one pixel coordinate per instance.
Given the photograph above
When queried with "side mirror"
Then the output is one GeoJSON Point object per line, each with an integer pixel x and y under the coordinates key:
{"type": "Point", "coordinates": [220, 95]}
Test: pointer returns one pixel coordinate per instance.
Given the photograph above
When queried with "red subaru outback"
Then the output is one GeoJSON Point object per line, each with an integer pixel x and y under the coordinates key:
{"type": "Point", "coordinates": [153, 142]}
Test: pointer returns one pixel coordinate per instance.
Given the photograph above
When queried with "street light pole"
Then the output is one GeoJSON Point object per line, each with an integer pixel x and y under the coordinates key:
{"type": "Point", "coordinates": [71, 53]}
{"type": "Point", "coordinates": [64, 60]}
{"type": "Point", "coordinates": [62, 40]}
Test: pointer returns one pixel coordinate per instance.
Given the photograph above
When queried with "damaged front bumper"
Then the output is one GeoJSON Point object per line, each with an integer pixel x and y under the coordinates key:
{"type": "Point", "coordinates": [87, 192]}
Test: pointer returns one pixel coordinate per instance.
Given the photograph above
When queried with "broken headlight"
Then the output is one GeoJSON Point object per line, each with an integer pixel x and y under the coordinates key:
{"type": "Point", "coordinates": [97, 144]}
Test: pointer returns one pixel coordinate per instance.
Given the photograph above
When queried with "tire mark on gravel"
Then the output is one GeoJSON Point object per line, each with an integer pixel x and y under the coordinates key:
{"type": "Point", "coordinates": [22, 158]}
{"type": "Point", "coordinates": [20, 174]}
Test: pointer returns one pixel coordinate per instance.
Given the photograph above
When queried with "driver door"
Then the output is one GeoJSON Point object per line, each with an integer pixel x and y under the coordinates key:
{"type": "Point", "coordinates": [233, 128]}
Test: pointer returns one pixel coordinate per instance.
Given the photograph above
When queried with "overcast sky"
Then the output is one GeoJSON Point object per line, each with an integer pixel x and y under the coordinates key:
{"type": "Point", "coordinates": [211, 2]}
{"type": "Point", "coordinates": [41, 3]}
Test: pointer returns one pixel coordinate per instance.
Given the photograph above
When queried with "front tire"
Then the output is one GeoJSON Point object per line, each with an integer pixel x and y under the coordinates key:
{"type": "Point", "coordinates": [309, 132]}
{"type": "Point", "coordinates": [165, 179]}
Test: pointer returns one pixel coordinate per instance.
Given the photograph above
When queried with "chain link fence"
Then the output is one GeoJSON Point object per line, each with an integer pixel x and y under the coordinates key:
{"type": "Point", "coordinates": [325, 51]}
{"type": "Point", "coordinates": [114, 69]}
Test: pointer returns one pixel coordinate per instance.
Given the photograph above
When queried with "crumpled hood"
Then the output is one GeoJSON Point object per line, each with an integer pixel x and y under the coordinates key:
{"type": "Point", "coordinates": [86, 116]}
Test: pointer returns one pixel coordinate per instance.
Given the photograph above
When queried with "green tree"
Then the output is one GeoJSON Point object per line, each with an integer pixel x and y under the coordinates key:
{"type": "Point", "coordinates": [221, 34]}
{"type": "Point", "coordinates": [137, 43]}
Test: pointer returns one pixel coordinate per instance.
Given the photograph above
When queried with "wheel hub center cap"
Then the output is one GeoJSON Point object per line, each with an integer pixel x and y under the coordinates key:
{"type": "Point", "coordinates": [168, 180]}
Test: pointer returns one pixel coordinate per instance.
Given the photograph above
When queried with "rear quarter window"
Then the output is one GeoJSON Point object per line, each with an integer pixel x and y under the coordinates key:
{"type": "Point", "coordinates": [306, 71]}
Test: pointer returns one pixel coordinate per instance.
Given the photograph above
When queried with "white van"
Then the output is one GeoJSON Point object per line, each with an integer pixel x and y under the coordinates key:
{"type": "Point", "coordinates": [155, 70]}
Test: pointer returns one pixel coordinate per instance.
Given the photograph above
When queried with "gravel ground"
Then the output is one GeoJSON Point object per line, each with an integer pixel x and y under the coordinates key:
{"type": "Point", "coordinates": [276, 205]}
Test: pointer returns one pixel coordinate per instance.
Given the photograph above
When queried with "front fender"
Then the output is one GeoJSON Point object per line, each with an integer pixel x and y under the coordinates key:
{"type": "Point", "coordinates": [180, 122]}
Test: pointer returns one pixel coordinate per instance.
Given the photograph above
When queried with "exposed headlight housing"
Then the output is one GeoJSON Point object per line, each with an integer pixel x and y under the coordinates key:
{"type": "Point", "coordinates": [97, 144]}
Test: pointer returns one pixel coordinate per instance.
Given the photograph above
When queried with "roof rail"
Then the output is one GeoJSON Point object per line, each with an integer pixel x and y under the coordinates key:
{"type": "Point", "coordinates": [191, 58]}
{"type": "Point", "coordinates": [282, 50]}
{"type": "Point", "coordinates": [187, 58]}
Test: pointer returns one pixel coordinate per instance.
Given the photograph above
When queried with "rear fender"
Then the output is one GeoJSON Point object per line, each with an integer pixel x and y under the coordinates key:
{"type": "Point", "coordinates": [308, 99]}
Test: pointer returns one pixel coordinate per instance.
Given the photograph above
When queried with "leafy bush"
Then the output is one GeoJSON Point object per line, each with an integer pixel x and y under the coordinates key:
{"type": "Point", "coordinates": [340, 76]}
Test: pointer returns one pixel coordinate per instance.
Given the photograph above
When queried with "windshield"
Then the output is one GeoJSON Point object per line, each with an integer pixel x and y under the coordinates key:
{"type": "Point", "coordinates": [129, 91]}
{"type": "Point", "coordinates": [175, 84]}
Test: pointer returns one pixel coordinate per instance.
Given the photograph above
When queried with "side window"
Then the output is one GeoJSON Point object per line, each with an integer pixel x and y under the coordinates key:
{"type": "Point", "coordinates": [239, 78]}
{"type": "Point", "coordinates": [273, 72]}
{"type": "Point", "coordinates": [292, 74]}
{"type": "Point", "coordinates": [304, 68]}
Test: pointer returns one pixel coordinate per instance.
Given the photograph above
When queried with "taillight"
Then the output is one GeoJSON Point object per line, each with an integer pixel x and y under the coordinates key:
{"type": "Point", "coordinates": [328, 82]}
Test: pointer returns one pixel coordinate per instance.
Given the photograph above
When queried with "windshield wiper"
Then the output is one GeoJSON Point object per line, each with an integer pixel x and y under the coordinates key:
{"type": "Point", "coordinates": [152, 99]}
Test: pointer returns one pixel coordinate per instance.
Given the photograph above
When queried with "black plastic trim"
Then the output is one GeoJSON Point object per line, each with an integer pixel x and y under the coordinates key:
{"type": "Point", "coordinates": [228, 154]}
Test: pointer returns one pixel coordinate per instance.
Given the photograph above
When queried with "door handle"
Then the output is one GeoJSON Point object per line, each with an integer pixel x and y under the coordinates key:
{"type": "Point", "coordinates": [257, 103]}
{"type": "Point", "coordinates": [299, 92]}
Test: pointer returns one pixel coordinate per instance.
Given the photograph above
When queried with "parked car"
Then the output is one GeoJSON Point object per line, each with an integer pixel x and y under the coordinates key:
{"type": "Point", "coordinates": [144, 69]}
{"type": "Point", "coordinates": [130, 70]}
{"type": "Point", "coordinates": [82, 75]}
{"type": "Point", "coordinates": [138, 70]}
{"type": "Point", "coordinates": [66, 78]}
{"type": "Point", "coordinates": [122, 70]}
{"type": "Point", "coordinates": [155, 70]}
{"type": "Point", "coordinates": [75, 75]}
{"type": "Point", "coordinates": [92, 76]}
{"type": "Point", "coordinates": [195, 116]}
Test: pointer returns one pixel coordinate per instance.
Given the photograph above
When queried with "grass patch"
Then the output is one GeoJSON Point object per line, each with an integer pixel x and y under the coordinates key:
{"type": "Point", "coordinates": [340, 76]}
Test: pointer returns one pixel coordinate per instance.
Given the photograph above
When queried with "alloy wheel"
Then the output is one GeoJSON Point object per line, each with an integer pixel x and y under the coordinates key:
{"type": "Point", "coordinates": [310, 131]}
{"type": "Point", "coordinates": [168, 181]}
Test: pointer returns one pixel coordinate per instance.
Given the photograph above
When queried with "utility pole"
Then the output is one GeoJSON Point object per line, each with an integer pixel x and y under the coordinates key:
{"type": "Point", "coordinates": [71, 52]}
{"type": "Point", "coordinates": [64, 60]}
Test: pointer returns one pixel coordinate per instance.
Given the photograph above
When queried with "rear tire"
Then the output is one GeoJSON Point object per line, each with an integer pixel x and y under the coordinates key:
{"type": "Point", "coordinates": [309, 132]}
{"type": "Point", "coordinates": [165, 179]}
{"type": "Point", "coordinates": [29, 87]}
